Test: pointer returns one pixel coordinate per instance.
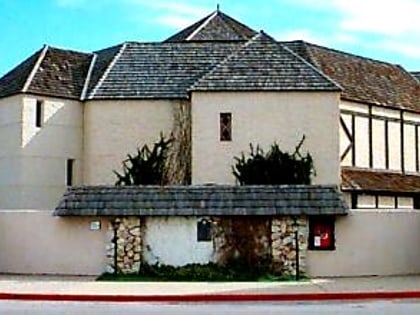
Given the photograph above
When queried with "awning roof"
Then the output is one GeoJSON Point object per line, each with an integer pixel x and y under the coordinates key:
{"type": "Point", "coordinates": [201, 200]}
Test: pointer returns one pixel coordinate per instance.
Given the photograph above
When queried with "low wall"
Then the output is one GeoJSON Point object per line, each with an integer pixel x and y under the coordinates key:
{"type": "Point", "coordinates": [368, 242]}
{"type": "Point", "coordinates": [371, 242]}
{"type": "Point", "coordinates": [35, 242]}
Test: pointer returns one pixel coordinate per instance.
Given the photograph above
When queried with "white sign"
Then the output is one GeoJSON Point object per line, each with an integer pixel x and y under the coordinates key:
{"type": "Point", "coordinates": [317, 241]}
{"type": "Point", "coordinates": [95, 225]}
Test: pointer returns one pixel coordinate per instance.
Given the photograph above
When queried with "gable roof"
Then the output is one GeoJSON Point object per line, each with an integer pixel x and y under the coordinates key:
{"type": "Point", "coordinates": [264, 64]}
{"type": "Point", "coordinates": [363, 79]}
{"type": "Point", "coordinates": [201, 200]}
{"type": "Point", "coordinates": [215, 27]}
{"type": "Point", "coordinates": [365, 180]}
{"type": "Point", "coordinates": [50, 71]}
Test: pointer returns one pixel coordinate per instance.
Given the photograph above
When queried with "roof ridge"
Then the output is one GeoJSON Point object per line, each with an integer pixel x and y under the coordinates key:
{"type": "Point", "coordinates": [35, 68]}
{"type": "Point", "coordinates": [198, 29]}
{"type": "Point", "coordinates": [107, 70]}
{"type": "Point", "coordinates": [88, 76]}
{"type": "Point", "coordinates": [226, 59]}
{"type": "Point", "coordinates": [315, 68]}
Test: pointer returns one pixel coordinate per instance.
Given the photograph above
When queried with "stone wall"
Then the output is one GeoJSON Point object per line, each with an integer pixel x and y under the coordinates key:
{"type": "Point", "coordinates": [124, 245]}
{"type": "Point", "coordinates": [283, 244]}
{"type": "Point", "coordinates": [252, 240]}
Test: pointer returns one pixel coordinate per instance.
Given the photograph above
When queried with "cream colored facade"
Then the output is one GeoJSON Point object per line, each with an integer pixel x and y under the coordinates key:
{"type": "Point", "coordinates": [10, 135]}
{"type": "Point", "coordinates": [35, 242]}
{"type": "Point", "coordinates": [34, 158]}
{"type": "Point", "coordinates": [115, 128]}
{"type": "Point", "coordinates": [371, 242]}
{"type": "Point", "coordinates": [262, 118]}
{"type": "Point", "coordinates": [99, 134]}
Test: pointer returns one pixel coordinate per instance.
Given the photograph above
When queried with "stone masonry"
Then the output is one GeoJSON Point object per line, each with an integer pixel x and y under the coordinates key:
{"type": "Point", "coordinates": [124, 245]}
{"type": "Point", "coordinates": [124, 239]}
{"type": "Point", "coordinates": [283, 244]}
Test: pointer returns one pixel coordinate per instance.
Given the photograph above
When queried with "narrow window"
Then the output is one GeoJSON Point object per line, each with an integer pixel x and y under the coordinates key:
{"type": "Point", "coordinates": [69, 172]}
{"type": "Point", "coordinates": [204, 231]}
{"type": "Point", "coordinates": [321, 233]}
{"type": "Point", "coordinates": [225, 127]}
{"type": "Point", "coordinates": [38, 113]}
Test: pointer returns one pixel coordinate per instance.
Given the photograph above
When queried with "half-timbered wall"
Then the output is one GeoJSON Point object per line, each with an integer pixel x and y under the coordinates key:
{"type": "Point", "coordinates": [379, 138]}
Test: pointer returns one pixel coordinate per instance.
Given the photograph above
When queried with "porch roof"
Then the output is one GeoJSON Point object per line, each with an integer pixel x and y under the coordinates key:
{"type": "Point", "coordinates": [201, 200]}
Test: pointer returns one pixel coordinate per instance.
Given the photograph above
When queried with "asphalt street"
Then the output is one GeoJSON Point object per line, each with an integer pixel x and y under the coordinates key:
{"type": "Point", "coordinates": [407, 307]}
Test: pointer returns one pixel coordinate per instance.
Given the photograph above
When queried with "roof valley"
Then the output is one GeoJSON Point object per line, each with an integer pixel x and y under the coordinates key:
{"type": "Point", "coordinates": [107, 70]}
{"type": "Point", "coordinates": [88, 76]}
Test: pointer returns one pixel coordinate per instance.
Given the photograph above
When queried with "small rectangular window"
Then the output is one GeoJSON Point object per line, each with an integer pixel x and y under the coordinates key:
{"type": "Point", "coordinates": [225, 127]}
{"type": "Point", "coordinates": [204, 230]}
{"type": "Point", "coordinates": [69, 172]}
{"type": "Point", "coordinates": [39, 113]}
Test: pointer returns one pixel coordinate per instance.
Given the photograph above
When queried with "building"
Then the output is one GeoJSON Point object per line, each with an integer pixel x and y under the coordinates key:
{"type": "Point", "coordinates": [70, 118]}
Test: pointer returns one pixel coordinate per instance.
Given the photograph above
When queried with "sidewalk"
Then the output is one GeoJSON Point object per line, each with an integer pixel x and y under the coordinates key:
{"type": "Point", "coordinates": [26, 287]}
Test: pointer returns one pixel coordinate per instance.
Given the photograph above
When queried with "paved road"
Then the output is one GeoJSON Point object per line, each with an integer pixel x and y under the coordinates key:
{"type": "Point", "coordinates": [407, 307]}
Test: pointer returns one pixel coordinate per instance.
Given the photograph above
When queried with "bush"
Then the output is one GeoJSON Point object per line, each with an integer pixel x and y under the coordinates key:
{"type": "Point", "coordinates": [147, 167]}
{"type": "Point", "coordinates": [274, 167]}
{"type": "Point", "coordinates": [234, 271]}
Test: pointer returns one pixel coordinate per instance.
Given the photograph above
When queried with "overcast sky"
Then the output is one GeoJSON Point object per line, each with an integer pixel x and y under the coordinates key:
{"type": "Point", "coordinates": [387, 30]}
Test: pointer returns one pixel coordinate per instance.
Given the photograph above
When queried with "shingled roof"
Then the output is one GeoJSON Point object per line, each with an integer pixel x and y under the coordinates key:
{"type": "Point", "coordinates": [363, 180]}
{"type": "Point", "coordinates": [416, 74]}
{"type": "Point", "coordinates": [214, 27]}
{"type": "Point", "coordinates": [61, 73]}
{"type": "Point", "coordinates": [264, 64]}
{"type": "Point", "coordinates": [201, 200]}
{"type": "Point", "coordinates": [363, 79]}
{"type": "Point", "coordinates": [50, 71]}
{"type": "Point", "coordinates": [217, 53]}
{"type": "Point", "coordinates": [14, 81]}
{"type": "Point", "coordinates": [159, 70]}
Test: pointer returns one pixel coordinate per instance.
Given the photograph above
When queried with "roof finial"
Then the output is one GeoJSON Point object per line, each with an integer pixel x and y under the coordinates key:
{"type": "Point", "coordinates": [218, 8]}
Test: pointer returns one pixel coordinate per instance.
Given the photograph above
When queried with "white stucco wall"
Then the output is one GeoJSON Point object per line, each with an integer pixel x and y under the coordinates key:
{"type": "Point", "coordinates": [115, 128]}
{"type": "Point", "coordinates": [10, 135]}
{"type": "Point", "coordinates": [264, 118]}
{"type": "Point", "coordinates": [33, 159]}
{"type": "Point", "coordinates": [371, 242]}
{"type": "Point", "coordinates": [45, 150]}
{"type": "Point", "coordinates": [35, 242]}
{"type": "Point", "coordinates": [173, 241]}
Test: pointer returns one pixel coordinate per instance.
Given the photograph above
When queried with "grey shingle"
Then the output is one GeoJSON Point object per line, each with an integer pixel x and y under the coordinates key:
{"type": "Point", "coordinates": [160, 70]}
{"type": "Point", "coordinates": [201, 200]}
{"type": "Point", "coordinates": [214, 27]}
{"type": "Point", "coordinates": [263, 64]}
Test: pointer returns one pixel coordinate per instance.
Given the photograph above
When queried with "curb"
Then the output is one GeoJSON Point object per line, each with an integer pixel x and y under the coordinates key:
{"type": "Point", "coordinates": [206, 298]}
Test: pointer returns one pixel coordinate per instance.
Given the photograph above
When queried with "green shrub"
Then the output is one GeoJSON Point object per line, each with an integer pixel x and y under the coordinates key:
{"type": "Point", "coordinates": [274, 167]}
